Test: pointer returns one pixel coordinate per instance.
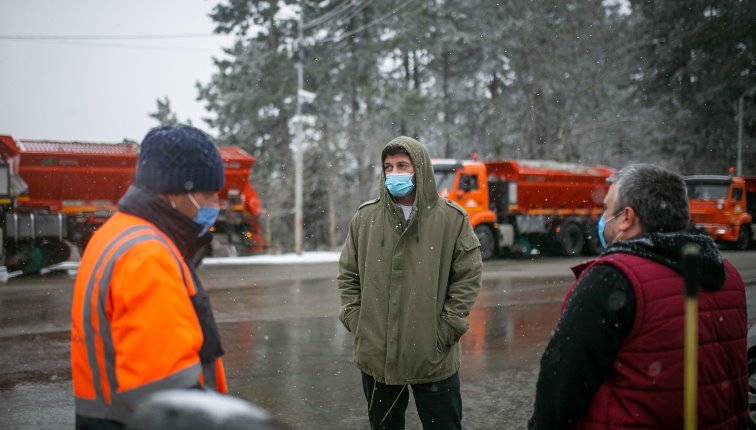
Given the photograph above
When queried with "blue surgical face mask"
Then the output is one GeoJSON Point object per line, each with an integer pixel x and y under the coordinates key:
{"type": "Point", "coordinates": [602, 225]}
{"type": "Point", "coordinates": [206, 215]}
{"type": "Point", "coordinates": [399, 184]}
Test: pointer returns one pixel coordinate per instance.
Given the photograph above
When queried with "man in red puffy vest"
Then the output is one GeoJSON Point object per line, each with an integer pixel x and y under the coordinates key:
{"type": "Point", "coordinates": [615, 360]}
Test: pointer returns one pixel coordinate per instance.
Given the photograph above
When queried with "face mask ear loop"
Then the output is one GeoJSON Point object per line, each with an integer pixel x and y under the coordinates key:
{"type": "Point", "coordinates": [194, 202]}
{"type": "Point", "coordinates": [618, 235]}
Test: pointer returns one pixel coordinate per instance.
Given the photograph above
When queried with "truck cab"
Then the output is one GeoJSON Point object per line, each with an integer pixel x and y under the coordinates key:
{"type": "Point", "coordinates": [719, 206]}
{"type": "Point", "coordinates": [466, 183]}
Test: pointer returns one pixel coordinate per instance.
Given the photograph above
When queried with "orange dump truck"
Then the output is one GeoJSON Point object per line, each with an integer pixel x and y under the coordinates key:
{"type": "Point", "coordinates": [57, 193]}
{"type": "Point", "coordinates": [516, 206]}
{"type": "Point", "coordinates": [724, 207]}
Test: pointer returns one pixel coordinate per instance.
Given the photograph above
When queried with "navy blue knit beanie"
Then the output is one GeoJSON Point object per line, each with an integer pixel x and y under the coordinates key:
{"type": "Point", "coordinates": [178, 160]}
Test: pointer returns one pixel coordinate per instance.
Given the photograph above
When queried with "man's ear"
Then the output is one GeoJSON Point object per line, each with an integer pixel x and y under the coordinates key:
{"type": "Point", "coordinates": [629, 220]}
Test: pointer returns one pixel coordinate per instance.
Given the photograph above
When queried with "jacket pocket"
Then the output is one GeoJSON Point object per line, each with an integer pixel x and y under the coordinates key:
{"type": "Point", "coordinates": [350, 318]}
{"type": "Point", "coordinates": [440, 361]}
{"type": "Point", "coordinates": [444, 336]}
{"type": "Point", "coordinates": [469, 241]}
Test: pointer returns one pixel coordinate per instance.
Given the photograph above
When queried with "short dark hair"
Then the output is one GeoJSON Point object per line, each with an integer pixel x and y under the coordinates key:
{"type": "Point", "coordinates": [393, 149]}
{"type": "Point", "coordinates": [656, 194]}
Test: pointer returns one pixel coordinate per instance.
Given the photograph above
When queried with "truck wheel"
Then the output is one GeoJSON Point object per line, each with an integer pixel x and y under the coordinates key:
{"type": "Point", "coordinates": [487, 241]}
{"type": "Point", "coordinates": [571, 239]}
{"type": "Point", "coordinates": [521, 248]}
{"type": "Point", "coordinates": [592, 245]}
{"type": "Point", "coordinates": [744, 237]}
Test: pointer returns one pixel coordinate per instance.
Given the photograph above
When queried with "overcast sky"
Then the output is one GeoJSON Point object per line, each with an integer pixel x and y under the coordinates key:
{"type": "Point", "coordinates": [101, 90]}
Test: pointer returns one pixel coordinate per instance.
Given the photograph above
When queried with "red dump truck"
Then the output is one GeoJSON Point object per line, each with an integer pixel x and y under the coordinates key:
{"type": "Point", "coordinates": [56, 194]}
{"type": "Point", "coordinates": [516, 206]}
{"type": "Point", "coordinates": [724, 207]}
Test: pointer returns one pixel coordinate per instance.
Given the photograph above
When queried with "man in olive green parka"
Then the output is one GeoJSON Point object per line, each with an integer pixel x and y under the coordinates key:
{"type": "Point", "coordinates": [409, 274]}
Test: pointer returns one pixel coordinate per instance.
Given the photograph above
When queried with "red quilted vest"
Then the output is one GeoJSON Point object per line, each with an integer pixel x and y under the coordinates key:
{"type": "Point", "coordinates": [644, 389]}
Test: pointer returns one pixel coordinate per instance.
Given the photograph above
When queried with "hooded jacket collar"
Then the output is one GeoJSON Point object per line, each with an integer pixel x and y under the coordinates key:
{"type": "Point", "coordinates": [665, 248]}
{"type": "Point", "coordinates": [177, 226]}
{"type": "Point", "coordinates": [426, 195]}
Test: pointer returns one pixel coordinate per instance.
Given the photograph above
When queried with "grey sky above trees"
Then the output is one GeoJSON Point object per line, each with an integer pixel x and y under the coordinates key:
{"type": "Point", "coordinates": [100, 88]}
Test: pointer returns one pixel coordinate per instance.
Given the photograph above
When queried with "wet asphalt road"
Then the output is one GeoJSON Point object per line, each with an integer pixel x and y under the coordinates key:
{"type": "Point", "coordinates": [287, 352]}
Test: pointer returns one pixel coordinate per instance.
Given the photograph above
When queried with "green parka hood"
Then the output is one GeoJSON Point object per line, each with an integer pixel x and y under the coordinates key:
{"type": "Point", "coordinates": [426, 195]}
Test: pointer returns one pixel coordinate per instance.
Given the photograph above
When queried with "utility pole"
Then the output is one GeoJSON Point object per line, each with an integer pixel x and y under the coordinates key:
{"type": "Point", "coordinates": [739, 168]}
{"type": "Point", "coordinates": [298, 157]}
{"type": "Point", "coordinates": [739, 165]}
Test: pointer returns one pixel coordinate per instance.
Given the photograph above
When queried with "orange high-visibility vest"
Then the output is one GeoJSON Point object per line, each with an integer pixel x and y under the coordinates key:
{"type": "Point", "coordinates": [134, 328]}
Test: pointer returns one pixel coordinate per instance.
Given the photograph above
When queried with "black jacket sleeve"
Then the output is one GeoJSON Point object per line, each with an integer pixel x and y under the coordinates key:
{"type": "Point", "coordinates": [599, 314]}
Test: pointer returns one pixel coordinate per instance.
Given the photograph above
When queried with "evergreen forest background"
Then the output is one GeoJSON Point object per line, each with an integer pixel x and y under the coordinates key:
{"type": "Point", "coordinates": [584, 81]}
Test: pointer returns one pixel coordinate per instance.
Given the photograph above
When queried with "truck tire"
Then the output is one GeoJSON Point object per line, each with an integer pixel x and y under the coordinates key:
{"type": "Point", "coordinates": [744, 237]}
{"type": "Point", "coordinates": [571, 239]}
{"type": "Point", "coordinates": [31, 257]}
{"type": "Point", "coordinates": [487, 241]}
{"type": "Point", "coordinates": [592, 245]}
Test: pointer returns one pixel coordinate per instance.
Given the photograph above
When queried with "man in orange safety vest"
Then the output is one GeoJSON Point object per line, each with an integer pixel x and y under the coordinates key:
{"type": "Point", "coordinates": [141, 321]}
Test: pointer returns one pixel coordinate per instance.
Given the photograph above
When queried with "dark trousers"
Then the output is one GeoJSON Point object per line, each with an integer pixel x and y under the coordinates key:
{"type": "Point", "coordinates": [439, 404]}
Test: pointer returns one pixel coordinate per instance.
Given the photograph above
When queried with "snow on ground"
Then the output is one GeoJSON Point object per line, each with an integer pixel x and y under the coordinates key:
{"type": "Point", "coordinates": [306, 257]}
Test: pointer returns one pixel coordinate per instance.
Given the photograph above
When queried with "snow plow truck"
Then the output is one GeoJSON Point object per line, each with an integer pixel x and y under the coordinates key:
{"type": "Point", "coordinates": [54, 195]}
{"type": "Point", "coordinates": [517, 206]}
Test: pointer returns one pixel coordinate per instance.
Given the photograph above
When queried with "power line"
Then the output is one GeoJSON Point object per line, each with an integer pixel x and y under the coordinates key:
{"type": "Point", "coordinates": [327, 16]}
{"type": "Point", "coordinates": [370, 24]}
{"type": "Point", "coordinates": [105, 36]}
{"type": "Point", "coordinates": [358, 9]}
{"type": "Point", "coordinates": [95, 44]}
{"type": "Point", "coordinates": [351, 14]}
{"type": "Point", "coordinates": [335, 13]}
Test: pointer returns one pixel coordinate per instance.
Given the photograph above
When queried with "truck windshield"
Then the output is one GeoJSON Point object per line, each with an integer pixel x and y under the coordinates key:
{"type": "Point", "coordinates": [444, 179]}
{"type": "Point", "coordinates": [707, 191]}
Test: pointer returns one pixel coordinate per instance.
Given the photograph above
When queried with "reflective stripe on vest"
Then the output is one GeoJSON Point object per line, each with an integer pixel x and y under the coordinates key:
{"type": "Point", "coordinates": [119, 410]}
{"type": "Point", "coordinates": [108, 403]}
